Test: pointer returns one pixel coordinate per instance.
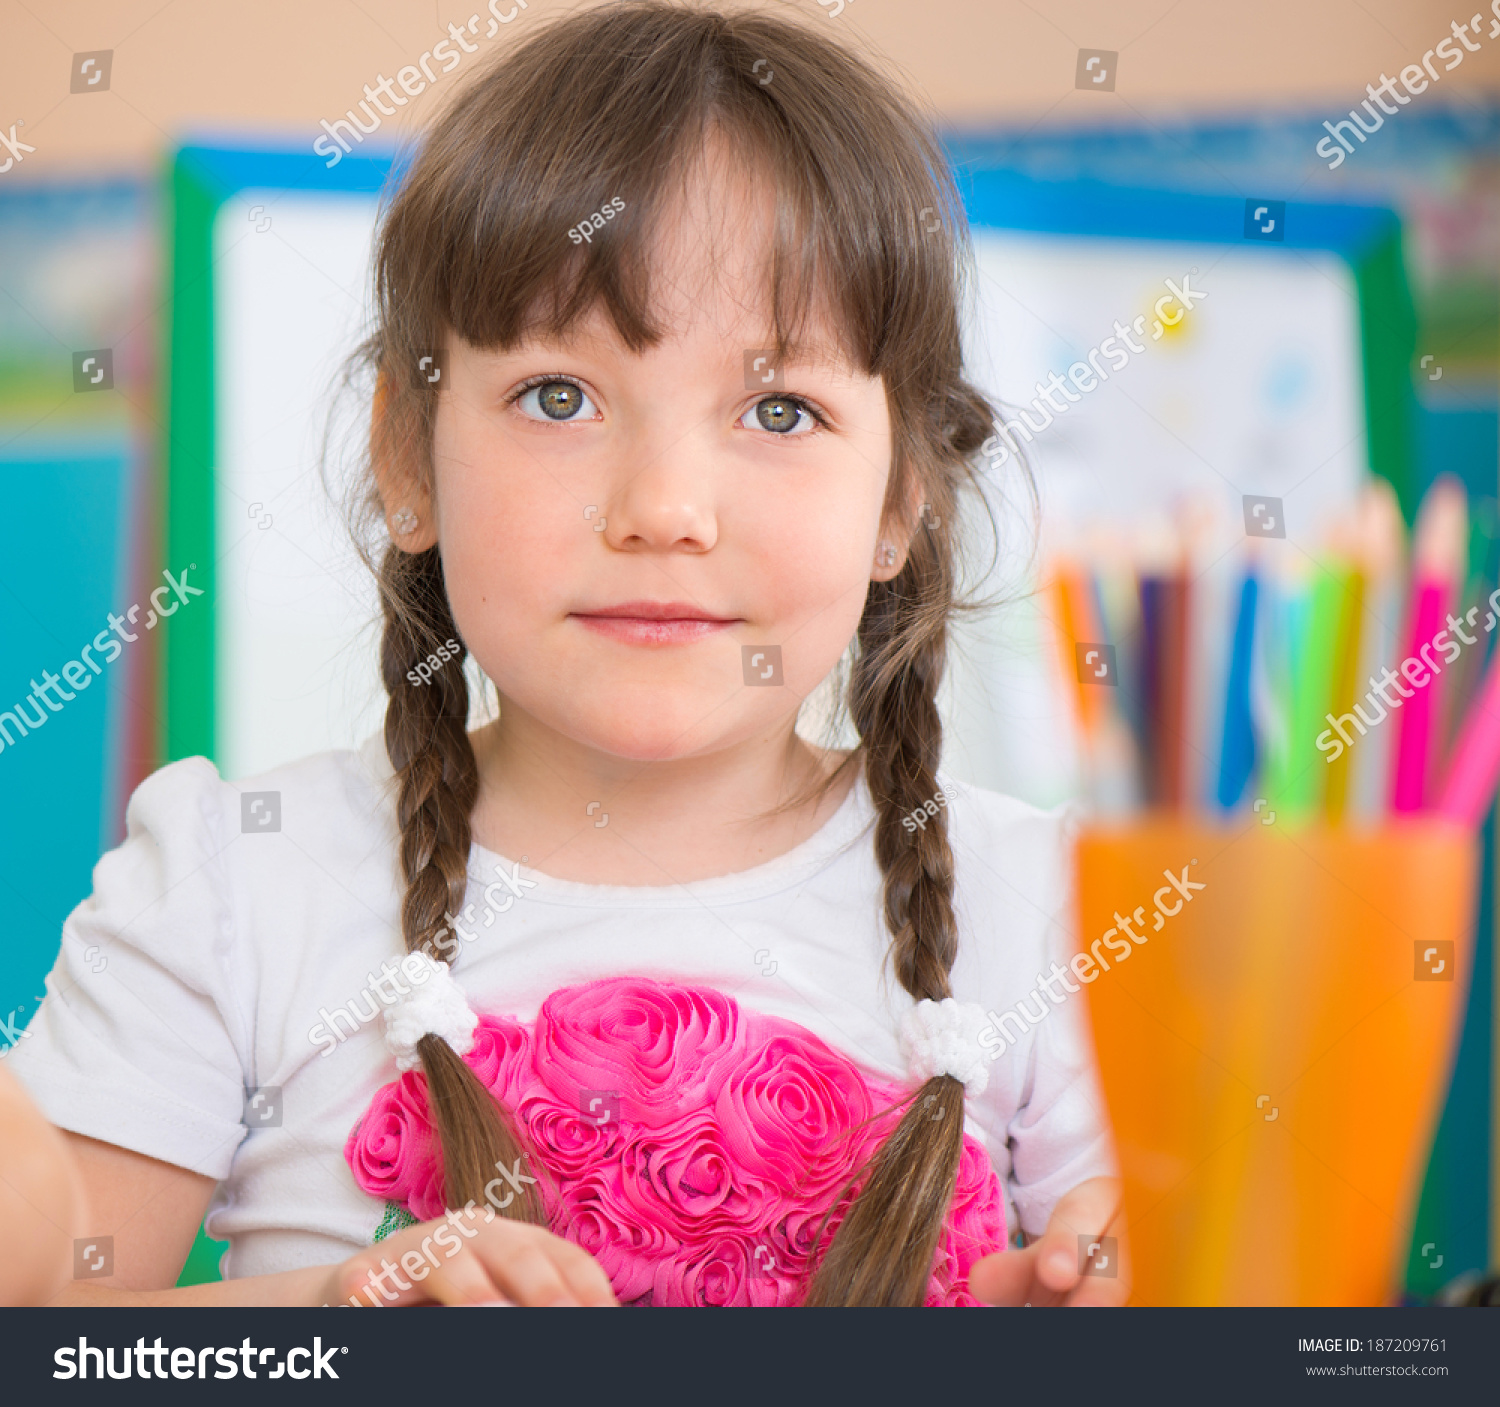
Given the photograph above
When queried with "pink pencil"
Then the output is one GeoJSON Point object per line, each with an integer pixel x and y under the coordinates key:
{"type": "Point", "coordinates": [1442, 526]}
{"type": "Point", "coordinates": [1414, 722]}
{"type": "Point", "coordinates": [1475, 766]}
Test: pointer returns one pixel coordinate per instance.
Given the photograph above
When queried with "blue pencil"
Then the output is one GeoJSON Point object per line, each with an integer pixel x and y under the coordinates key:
{"type": "Point", "coordinates": [1237, 755]}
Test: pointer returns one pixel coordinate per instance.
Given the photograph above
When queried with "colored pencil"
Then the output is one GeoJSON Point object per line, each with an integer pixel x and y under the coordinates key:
{"type": "Point", "coordinates": [1067, 624]}
{"type": "Point", "coordinates": [1281, 641]}
{"type": "Point", "coordinates": [1466, 671]}
{"type": "Point", "coordinates": [1174, 698]}
{"type": "Point", "coordinates": [1237, 749]}
{"type": "Point", "coordinates": [1470, 787]}
{"type": "Point", "coordinates": [1381, 537]}
{"type": "Point", "coordinates": [1348, 643]}
{"type": "Point", "coordinates": [1210, 574]}
{"type": "Point", "coordinates": [1345, 675]}
{"type": "Point", "coordinates": [1312, 691]}
{"type": "Point", "coordinates": [1118, 599]}
{"type": "Point", "coordinates": [1437, 550]}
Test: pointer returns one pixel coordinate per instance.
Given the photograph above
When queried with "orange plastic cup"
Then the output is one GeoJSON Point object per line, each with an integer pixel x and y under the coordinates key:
{"type": "Point", "coordinates": [1275, 1053]}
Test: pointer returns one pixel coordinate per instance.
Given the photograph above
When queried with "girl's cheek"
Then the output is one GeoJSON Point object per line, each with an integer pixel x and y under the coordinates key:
{"type": "Point", "coordinates": [815, 551]}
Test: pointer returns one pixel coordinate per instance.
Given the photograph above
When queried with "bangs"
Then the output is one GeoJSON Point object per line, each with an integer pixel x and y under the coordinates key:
{"type": "Point", "coordinates": [626, 106]}
{"type": "Point", "coordinates": [719, 174]}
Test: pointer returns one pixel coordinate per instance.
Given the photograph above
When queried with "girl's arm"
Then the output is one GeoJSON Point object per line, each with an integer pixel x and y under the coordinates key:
{"type": "Point", "coordinates": [41, 1207]}
{"type": "Point", "coordinates": [153, 1210]}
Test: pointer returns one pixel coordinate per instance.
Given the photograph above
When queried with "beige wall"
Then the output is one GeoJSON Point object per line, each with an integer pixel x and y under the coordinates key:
{"type": "Point", "coordinates": [280, 65]}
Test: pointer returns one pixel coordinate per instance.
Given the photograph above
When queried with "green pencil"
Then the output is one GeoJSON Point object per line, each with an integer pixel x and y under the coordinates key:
{"type": "Point", "coordinates": [1314, 653]}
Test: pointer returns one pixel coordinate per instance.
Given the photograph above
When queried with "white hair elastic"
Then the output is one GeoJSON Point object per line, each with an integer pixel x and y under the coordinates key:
{"type": "Point", "coordinates": [942, 1038]}
{"type": "Point", "coordinates": [435, 1006]}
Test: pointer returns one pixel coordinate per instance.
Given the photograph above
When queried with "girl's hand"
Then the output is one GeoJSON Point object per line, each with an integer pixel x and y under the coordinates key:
{"type": "Point", "coordinates": [471, 1257]}
{"type": "Point", "coordinates": [1046, 1272]}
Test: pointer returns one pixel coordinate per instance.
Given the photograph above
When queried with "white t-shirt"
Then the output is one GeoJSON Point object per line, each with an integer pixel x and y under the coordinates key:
{"type": "Point", "coordinates": [225, 950]}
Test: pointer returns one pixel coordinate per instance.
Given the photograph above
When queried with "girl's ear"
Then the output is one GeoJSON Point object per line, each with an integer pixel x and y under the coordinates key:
{"type": "Point", "coordinates": [890, 557]}
{"type": "Point", "coordinates": [895, 539]}
{"type": "Point", "coordinates": [404, 499]}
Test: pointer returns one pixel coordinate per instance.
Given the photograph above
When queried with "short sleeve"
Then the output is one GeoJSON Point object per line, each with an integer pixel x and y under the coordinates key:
{"type": "Point", "coordinates": [1059, 1136]}
{"type": "Point", "coordinates": [141, 1039]}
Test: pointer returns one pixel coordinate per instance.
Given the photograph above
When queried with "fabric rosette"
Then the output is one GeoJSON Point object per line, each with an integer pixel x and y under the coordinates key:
{"type": "Point", "coordinates": [394, 1151]}
{"type": "Point", "coordinates": [791, 1111]}
{"type": "Point", "coordinates": [501, 1058]}
{"type": "Point", "coordinates": [663, 1047]}
{"type": "Point", "coordinates": [591, 1214]}
{"type": "Point", "coordinates": [682, 1177]}
{"type": "Point", "coordinates": [729, 1139]}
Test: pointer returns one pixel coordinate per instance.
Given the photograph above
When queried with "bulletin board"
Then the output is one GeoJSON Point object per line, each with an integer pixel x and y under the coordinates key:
{"type": "Point", "coordinates": [270, 258]}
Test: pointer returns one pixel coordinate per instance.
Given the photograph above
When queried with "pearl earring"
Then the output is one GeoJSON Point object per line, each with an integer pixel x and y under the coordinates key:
{"type": "Point", "coordinates": [404, 521]}
{"type": "Point", "coordinates": [885, 553]}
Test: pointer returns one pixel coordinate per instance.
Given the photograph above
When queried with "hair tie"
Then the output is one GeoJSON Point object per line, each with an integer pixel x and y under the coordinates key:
{"type": "Point", "coordinates": [942, 1038]}
{"type": "Point", "coordinates": [435, 1006]}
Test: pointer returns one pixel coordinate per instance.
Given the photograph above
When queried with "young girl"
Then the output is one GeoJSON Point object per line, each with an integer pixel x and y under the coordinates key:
{"type": "Point", "coordinates": [691, 1010]}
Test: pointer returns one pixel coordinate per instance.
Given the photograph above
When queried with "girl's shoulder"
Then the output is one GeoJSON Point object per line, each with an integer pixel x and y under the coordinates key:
{"type": "Point", "coordinates": [1010, 855]}
{"type": "Point", "coordinates": [187, 806]}
{"type": "Point", "coordinates": [983, 818]}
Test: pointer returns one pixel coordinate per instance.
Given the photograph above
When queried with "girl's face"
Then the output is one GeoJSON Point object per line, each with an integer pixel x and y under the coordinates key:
{"type": "Point", "coordinates": [659, 554]}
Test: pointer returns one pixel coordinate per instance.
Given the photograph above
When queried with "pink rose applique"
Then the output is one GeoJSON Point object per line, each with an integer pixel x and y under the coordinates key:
{"type": "Point", "coordinates": [593, 1215]}
{"type": "Point", "coordinates": [790, 1111]}
{"type": "Point", "coordinates": [394, 1151]}
{"type": "Point", "coordinates": [501, 1058]}
{"type": "Point", "coordinates": [575, 1142]}
{"type": "Point", "coordinates": [682, 1177]}
{"type": "Point", "coordinates": [661, 1046]}
{"type": "Point", "coordinates": [720, 1164]}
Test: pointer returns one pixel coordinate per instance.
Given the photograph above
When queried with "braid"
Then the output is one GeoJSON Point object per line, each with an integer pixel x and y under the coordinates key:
{"type": "Point", "coordinates": [903, 735]}
{"type": "Point", "coordinates": [427, 740]}
{"type": "Point", "coordinates": [883, 1251]}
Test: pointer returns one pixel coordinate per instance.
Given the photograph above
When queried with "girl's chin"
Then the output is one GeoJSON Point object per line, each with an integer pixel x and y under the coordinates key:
{"type": "Point", "coordinates": [656, 743]}
{"type": "Point", "coordinates": [666, 732]}
{"type": "Point", "coordinates": [657, 719]}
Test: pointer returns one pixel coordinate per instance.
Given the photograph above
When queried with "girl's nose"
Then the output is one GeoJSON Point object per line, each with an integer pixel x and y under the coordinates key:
{"type": "Point", "coordinates": [664, 499]}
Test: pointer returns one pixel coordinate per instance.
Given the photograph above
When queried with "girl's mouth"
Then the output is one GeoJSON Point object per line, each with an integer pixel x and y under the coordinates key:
{"type": "Point", "coordinates": [653, 622]}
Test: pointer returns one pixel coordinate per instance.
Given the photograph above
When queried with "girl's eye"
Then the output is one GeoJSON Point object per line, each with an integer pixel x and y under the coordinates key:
{"type": "Point", "coordinates": [781, 415]}
{"type": "Point", "coordinates": [556, 400]}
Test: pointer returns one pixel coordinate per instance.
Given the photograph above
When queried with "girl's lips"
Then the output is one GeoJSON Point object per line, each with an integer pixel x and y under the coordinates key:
{"type": "Point", "coordinates": [639, 630]}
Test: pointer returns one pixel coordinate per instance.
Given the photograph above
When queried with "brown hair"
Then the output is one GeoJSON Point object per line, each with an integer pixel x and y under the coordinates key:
{"type": "Point", "coordinates": [619, 100]}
